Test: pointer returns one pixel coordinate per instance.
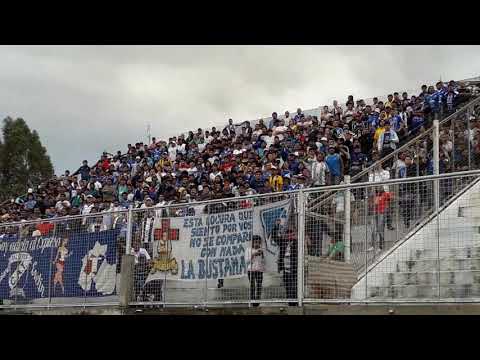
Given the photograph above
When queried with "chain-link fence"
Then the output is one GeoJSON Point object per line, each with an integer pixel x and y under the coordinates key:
{"type": "Point", "coordinates": [234, 250]}
{"type": "Point", "coordinates": [376, 241]}
{"type": "Point", "coordinates": [394, 247]}
{"type": "Point", "coordinates": [62, 262]}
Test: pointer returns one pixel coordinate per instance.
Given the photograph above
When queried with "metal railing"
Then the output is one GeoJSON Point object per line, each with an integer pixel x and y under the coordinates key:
{"type": "Point", "coordinates": [201, 254]}
{"type": "Point", "coordinates": [466, 111]}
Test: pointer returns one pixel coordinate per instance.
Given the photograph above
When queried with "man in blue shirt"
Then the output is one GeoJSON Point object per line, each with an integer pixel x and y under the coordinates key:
{"type": "Point", "coordinates": [292, 163]}
{"type": "Point", "coordinates": [257, 181]}
{"type": "Point", "coordinates": [298, 116]}
{"type": "Point", "coordinates": [335, 165]}
{"type": "Point", "coordinates": [273, 120]}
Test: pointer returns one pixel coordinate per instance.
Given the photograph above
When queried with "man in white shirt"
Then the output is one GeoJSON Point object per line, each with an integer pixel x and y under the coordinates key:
{"type": "Point", "coordinates": [172, 151]}
{"type": "Point", "coordinates": [269, 138]}
{"type": "Point", "coordinates": [87, 208]}
{"type": "Point", "coordinates": [142, 264]}
{"type": "Point", "coordinates": [181, 147]}
{"type": "Point", "coordinates": [348, 115]}
{"type": "Point", "coordinates": [215, 172]}
{"type": "Point", "coordinates": [379, 174]}
{"type": "Point", "coordinates": [320, 171]}
{"type": "Point", "coordinates": [337, 109]}
{"type": "Point", "coordinates": [208, 137]}
{"type": "Point", "coordinates": [288, 120]}
{"type": "Point", "coordinates": [138, 251]}
{"type": "Point", "coordinates": [387, 143]}
{"type": "Point", "coordinates": [280, 130]}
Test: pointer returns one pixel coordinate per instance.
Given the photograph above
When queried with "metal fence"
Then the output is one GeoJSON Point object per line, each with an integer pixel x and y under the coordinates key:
{"type": "Point", "coordinates": [217, 252]}
{"type": "Point", "coordinates": [395, 248]}
{"type": "Point", "coordinates": [380, 241]}
{"type": "Point", "coordinates": [71, 261]}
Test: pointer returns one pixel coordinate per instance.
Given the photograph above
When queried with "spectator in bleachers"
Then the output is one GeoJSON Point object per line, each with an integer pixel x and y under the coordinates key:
{"type": "Point", "coordinates": [288, 148]}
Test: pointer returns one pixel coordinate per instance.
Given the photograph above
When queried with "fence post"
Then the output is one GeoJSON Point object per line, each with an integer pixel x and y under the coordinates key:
{"type": "Point", "coordinates": [468, 139]}
{"type": "Point", "coordinates": [436, 192]}
{"type": "Point", "coordinates": [365, 246]}
{"type": "Point", "coordinates": [301, 246]}
{"type": "Point", "coordinates": [436, 161]}
{"type": "Point", "coordinates": [126, 279]}
{"type": "Point", "coordinates": [128, 244]}
{"type": "Point", "coordinates": [346, 229]}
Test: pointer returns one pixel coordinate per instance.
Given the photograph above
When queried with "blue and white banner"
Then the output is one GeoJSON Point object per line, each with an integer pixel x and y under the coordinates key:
{"type": "Point", "coordinates": [79, 265]}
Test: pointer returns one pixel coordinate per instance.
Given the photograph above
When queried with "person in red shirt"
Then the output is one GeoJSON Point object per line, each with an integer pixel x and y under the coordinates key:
{"type": "Point", "coordinates": [104, 163]}
{"type": "Point", "coordinates": [381, 201]}
{"type": "Point", "coordinates": [45, 228]}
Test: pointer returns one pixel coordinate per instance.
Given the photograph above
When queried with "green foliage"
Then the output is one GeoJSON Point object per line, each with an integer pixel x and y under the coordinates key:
{"type": "Point", "coordinates": [24, 161]}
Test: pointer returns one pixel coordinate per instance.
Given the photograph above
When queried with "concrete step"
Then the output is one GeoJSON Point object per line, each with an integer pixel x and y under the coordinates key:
{"type": "Point", "coordinates": [424, 291]}
{"type": "Point", "coordinates": [446, 264]}
{"type": "Point", "coordinates": [465, 251]}
{"type": "Point", "coordinates": [460, 277]}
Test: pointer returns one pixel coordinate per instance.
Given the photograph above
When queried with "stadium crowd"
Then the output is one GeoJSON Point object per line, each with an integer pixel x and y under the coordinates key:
{"type": "Point", "coordinates": [285, 153]}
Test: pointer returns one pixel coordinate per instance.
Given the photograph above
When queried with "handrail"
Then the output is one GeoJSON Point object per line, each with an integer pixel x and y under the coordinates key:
{"type": "Point", "coordinates": [405, 146]}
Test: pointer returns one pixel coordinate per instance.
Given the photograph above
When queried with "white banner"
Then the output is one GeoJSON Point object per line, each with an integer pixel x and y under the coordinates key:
{"type": "Point", "coordinates": [212, 246]}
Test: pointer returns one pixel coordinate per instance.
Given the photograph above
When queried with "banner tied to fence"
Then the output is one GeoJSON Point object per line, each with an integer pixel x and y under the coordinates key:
{"type": "Point", "coordinates": [72, 265]}
{"type": "Point", "coordinates": [212, 246]}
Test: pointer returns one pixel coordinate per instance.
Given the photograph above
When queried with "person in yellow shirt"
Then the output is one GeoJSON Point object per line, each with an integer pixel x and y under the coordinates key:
{"type": "Point", "coordinates": [275, 180]}
{"type": "Point", "coordinates": [379, 131]}
{"type": "Point", "coordinates": [389, 102]}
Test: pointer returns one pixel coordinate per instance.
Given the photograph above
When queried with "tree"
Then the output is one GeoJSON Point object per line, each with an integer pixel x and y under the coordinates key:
{"type": "Point", "coordinates": [24, 162]}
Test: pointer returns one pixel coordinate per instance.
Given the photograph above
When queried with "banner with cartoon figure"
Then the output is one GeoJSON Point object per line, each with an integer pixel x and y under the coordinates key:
{"type": "Point", "coordinates": [212, 246]}
{"type": "Point", "coordinates": [75, 265]}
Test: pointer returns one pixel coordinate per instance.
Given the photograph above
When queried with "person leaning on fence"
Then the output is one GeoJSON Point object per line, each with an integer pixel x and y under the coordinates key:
{"type": "Point", "coordinates": [255, 267]}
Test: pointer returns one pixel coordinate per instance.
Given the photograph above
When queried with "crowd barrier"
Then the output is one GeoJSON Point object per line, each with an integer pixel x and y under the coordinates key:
{"type": "Point", "coordinates": [260, 249]}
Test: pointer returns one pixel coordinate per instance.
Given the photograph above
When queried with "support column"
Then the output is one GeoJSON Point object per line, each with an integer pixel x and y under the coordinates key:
{"type": "Point", "coordinates": [128, 244]}
{"type": "Point", "coordinates": [126, 280]}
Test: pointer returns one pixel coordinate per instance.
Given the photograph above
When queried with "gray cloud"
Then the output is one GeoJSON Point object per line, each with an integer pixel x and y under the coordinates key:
{"type": "Point", "coordinates": [86, 99]}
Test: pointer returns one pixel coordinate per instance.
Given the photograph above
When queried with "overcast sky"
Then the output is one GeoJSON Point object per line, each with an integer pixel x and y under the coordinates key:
{"type": "Point", "coordinates": [86, 99]}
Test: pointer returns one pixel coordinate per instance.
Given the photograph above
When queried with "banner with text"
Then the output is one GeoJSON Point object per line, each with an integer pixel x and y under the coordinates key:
{"type": "Point", "coordinates": [74, 265]}
{"type": "Point", "coordinates": [212, 246]}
